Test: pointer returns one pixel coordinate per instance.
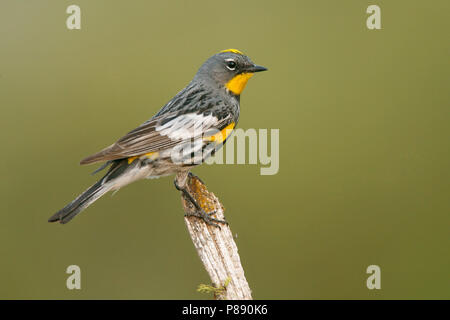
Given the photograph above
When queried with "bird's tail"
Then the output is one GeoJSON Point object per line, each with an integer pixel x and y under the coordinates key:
{"type": "Point", "coordinates": [83, 201]}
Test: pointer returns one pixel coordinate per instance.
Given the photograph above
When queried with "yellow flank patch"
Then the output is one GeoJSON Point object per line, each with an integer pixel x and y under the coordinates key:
{"type": "Point", "coordinates": [221, 136]}
{"type": "Point", "coordinates": [237, 84]}
{"type": "Point", "coordinates": [233, 50]}
{"type": "Point", "coordinates": [150, 155]}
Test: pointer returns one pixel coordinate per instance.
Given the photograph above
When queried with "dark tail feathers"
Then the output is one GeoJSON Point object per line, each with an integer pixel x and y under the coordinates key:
{"type": "Point", "coordinates": [82, 202]}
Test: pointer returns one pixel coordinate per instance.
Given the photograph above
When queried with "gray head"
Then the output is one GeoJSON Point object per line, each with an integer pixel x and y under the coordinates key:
{"type": "Point", "coordinates": [229, 69]}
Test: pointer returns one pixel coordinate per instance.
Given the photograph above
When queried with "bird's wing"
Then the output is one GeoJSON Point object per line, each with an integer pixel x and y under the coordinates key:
{"type": "Point", "coordinates": [162, 133]}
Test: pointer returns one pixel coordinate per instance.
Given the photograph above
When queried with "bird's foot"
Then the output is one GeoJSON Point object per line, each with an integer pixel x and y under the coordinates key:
{"type": "Point", "coordinates": [199, 212]}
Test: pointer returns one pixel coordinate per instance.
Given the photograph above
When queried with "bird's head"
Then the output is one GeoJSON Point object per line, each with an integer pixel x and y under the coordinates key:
{"type": "Point", "coordinates": [230, 69]}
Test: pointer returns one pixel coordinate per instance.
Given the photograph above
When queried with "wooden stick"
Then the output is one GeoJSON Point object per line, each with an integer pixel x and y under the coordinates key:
{"type": "Point", "coordinates": [215, 247]}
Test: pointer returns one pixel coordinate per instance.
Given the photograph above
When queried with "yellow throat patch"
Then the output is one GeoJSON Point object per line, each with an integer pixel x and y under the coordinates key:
{"type": "Point", "coordinates": [237, 84]}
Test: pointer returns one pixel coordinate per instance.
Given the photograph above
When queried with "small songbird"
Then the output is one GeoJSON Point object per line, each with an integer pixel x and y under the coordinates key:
{"type": "Point", "coordinates": [186, 131]}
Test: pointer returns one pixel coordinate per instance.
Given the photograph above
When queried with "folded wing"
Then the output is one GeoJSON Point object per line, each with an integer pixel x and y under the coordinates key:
{"type": "Point", "coordinates": [161, 133]}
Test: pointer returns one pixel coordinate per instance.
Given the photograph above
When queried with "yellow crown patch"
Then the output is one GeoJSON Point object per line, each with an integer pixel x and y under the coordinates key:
{"type": "Point", "coordinates": [233, 50]}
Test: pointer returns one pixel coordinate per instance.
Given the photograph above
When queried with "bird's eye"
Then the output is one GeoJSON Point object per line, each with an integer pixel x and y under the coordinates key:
{"type": "Point", "coordinates": [231, 64]}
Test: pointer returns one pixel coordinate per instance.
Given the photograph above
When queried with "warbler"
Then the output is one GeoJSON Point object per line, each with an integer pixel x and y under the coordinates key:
{"type": "Point", "coordinates": [187, 130]}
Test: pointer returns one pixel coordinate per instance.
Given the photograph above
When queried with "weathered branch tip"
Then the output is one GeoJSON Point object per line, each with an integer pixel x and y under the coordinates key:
{"type": "Point", "coordinates": [215, 246]}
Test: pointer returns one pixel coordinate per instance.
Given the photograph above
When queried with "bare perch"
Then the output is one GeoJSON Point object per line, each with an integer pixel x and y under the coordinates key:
{"type": "Point", "coordinates": [215, 246]}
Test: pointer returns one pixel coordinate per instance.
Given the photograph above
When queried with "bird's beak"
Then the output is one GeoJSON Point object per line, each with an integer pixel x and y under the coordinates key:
{"type": "Point", "coordinates": [256, 68]}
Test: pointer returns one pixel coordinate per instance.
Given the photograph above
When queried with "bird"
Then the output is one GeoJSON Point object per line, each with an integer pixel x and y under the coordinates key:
{"type": "Point", "coordinates": [187, 130]}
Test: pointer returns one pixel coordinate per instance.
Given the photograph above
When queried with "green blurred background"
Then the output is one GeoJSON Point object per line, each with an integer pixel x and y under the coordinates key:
{"type": "Point", "coordinates": [364, 147]}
